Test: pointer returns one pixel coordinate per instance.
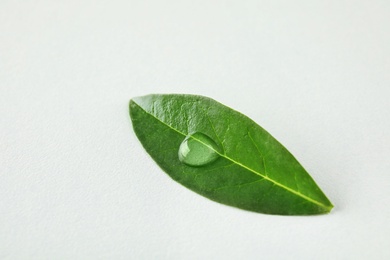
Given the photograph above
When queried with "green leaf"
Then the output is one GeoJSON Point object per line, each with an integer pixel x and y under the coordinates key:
{"type": "Point", "coordinates": [223, 155]}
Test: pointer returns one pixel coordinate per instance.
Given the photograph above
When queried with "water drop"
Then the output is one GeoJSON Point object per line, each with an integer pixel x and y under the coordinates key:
{"type": "Point", "coordinates": [198, 149]}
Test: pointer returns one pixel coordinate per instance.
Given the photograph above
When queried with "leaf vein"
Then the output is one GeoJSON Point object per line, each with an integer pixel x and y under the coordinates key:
{"type": "Point", "coordinates": [297, 193]}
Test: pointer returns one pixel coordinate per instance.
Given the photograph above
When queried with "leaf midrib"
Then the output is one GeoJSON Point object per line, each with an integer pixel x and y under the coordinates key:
{"type": "Point", "coordinates": [242, 165]}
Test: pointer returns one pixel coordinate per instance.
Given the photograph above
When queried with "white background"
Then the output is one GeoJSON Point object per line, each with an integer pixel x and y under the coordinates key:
{"type": "Point", "coordinates": [75, 183]}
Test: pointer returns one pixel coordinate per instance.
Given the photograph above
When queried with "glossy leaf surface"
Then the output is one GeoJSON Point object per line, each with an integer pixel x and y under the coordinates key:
{"type": "Point", "coordinates": [230, 159]}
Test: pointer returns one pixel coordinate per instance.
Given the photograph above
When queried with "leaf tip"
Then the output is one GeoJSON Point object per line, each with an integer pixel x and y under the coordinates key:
{"type": "Point", "coordinates": [327, 208]}
{"type": "Point", "coordinates": [330, 207]}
